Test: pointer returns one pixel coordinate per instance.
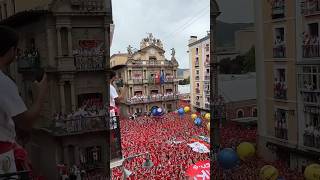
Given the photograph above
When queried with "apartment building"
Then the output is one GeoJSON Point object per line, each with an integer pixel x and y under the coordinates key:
{"type": "Point", "coordinates": [199, 57]}
{"type": "Point", "coordinates": [69, 40]}
{"type": "Point", "coordinates": [288, 81]}
{"type": "Point", "coordinates": [150, 78]}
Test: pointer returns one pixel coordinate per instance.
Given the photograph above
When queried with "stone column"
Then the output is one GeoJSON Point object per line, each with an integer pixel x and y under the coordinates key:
{"type": "Point", "coordinates": [70, 40]}
{"type": "Point", "coordinates": [73, 96]}
{"type": "Point", "coordinates": [59, 41]}
{"type": "Point", "coordinates": [62, 97]}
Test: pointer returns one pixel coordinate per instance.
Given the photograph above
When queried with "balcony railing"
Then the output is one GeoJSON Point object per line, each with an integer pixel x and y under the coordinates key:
{"type": "Point", "coordinates": [310, 7]}
{"type": "Point", "coordinates": [137, 81]}
{"type": "Point", "coordinates": [207, 92]}
{"type": "Point", "coordinates": [310, 51]}
{"type": "Point", "coordinates": [150, 63]}
{"type": "Point", "coordinates": [140, 100]}
{"type": "Point", "coordinates": [197, 103]}
{"type": "Point", "coordinates": [311, 140]}
{"type": "Point", "coordinates": [207, 77]}
{"type": "Point", "coordinates": [89, 63]}
{"type": "Point", "coordinates": [281, 133]}
{"type": "Point", "coordinates": [196, 64]}
{"type": "Point", "coordinates": [197, 78]}
{"type": "Point", "coordinates": [311, 97]}
{"type": "Point", "coordinates": [28, 62]}
{"type": "Point", "coordinates": [280, 91]}
{"type": "Point", "coordinates": [197, 90]}
{"type": "Point", "coordinates": [278, 9]}
{"type": "Point", "coordinates": [279, 52]}
{"type": "Point", "coordinates": [80, 124]}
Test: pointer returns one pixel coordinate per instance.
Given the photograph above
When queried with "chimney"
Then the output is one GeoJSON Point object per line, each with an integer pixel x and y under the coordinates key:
{"type": "Point", "coordinates": [192, 39]}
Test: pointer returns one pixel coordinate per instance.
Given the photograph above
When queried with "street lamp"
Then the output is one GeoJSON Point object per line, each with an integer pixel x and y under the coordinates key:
{"type": "Point", "coordinates": [126, 173]}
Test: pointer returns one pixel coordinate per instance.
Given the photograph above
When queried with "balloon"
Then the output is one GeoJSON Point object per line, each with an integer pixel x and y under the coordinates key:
{"type": "Point", "coordinates": [193, 116]}
{"type": "Point", "coordinates": [198, 121]}
{"type": "Point", "coordinates": [208, 126]}
{"type": "Point", "coordinates": [207, 116]}
{"type": "Point", "coordinates": [159, 110]}
{"type": "Point", "coordinates": [181, 111]}
{"type": "Point", "coordinates": [268, 172]}
{"type": "Point", "coordinates": [312, 172]}
{"type": "Point", "coordinates": [154, 112]}
{"type": "Point", "coordinates": [245, 150]}
{"type": "Point", "coordinates": [228, 158]}
{"type": "Point", "coordinates": [186, 109]}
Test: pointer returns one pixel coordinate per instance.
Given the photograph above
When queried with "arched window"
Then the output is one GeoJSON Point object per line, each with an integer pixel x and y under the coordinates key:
{"type": "Point", "coordinates": [254, 112]}
{"type": "Point", "coordinates": [240, 113]}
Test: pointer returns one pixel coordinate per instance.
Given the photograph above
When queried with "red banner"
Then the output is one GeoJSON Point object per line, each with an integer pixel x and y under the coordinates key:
{"type": "Point", "coordinates": [200, 170]}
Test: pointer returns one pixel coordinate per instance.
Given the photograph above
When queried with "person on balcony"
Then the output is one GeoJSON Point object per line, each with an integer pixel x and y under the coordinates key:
{"type": "Point", "coordinates": [14, 114]}
{"type": "Point", "coordinates": [115, 98]}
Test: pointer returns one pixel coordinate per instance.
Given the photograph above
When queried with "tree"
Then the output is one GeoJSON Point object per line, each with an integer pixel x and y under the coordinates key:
{"type": "Point", "coordinates": [249, 64]}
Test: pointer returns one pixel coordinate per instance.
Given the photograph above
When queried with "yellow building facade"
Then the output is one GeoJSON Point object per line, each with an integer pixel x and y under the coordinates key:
{"type": "Point", "coordinates": [281, 101]}
{"type": "Point", "coordinates": [199, 57]}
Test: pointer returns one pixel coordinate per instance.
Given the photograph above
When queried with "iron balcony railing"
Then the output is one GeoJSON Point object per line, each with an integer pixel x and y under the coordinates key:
{"type": "Point", "coordinates": [279, 51]}
{"type": "Point", "coordinates": [280, 91]}
{"type": "Point", "coordinates": [89, 63]}
{"type": "Point", "coordinates": [311, 51]}
{"type": "Point", "coordinates": [311, 140]}
{"type": "Point", "coordinates": [278, 9]}
{"type": "Point", "coordinates": [141, 100]}
{"type": "Point", "coordinates": [310, 7]}
{"type": "Point", "coordinates": [80, 124]}
{"type": "Point", "coordinates": [281, 133]}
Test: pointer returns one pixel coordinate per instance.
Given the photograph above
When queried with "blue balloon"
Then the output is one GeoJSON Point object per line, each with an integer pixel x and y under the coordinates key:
{"type": "Point", "coordinates": [181, 111]}
{"type": "Point", "coordinates": [154, 112]}
{"type": "Point", "coordinates": [198, 121]}
{"type": "Point", "coordinates": [228, 158]}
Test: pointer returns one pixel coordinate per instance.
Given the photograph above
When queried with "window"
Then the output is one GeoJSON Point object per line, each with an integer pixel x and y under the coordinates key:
{"type": "Point", "coordinates": [279, 43]}
{"type": "Point", "coordinates": [5, 10]}
{"type": "Point", "coordinates": [208, 71]}
{"type": "Point", "coordinates": [64, 41]}
{"type": "Point", "coordinates": [311, 41]}
{"type": "Point", "coordinates": [198, 85]}
{"type": "Point", "coordinates": [280, 84]}
{"type": "Point", "coordinates": [0, 13]}
{"type": "Point", "coordinates": [254, 112]}
{"type": "Point", "coordinates": [197, 62]}
{"type": "Point", "coordinates": [207, 47]}
{"type": "Point", "coordinates": [197, 72]}
{"type": "Point", "coordinates": [281, 123]}
{"type": "Point", "coordinates": [240, 113]}
{"type": "Point", "coordinates": [278, 9]}
{"type": "Point", "coordinates": [197, 51]}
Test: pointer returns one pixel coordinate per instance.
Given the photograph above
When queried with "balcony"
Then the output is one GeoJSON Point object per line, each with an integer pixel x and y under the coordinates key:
{"type": "Point", "coordinates": [207, 92]}
{"type": "Point", "coordinates": [309, 8]}
{"type": "Point", "coordinates": [281, 133]}
{"type": "Point", "coordinates": [280, 91]}
{"type": "Point", "coordinates": [278, 9]}
{"type": "Point", "coordinates": [311, 97]}
{"type": "Point", "coordinates": [310, 51]}
{"type": "Point", "coordinates": [207, 106]}
{"type": "Point", "coordinates": [196, 64]}
{"type": "Point", "coordinates": [28, 62]}
{"type": "Point", "coordinates": [279, 51]}
{"type": "Point", "coordinates": [137, 81]}
{"type": "Point", "coordinates": [311, 140]}
{"type": "Point", "coordinates": [207, 77]}
{"type": "Point", "coordinates": [89, 63]}
{"type": "Point", "coordinates": [197, 78]}
{"type": "Point", "coordinates": [197, 103]}
{"type": "Point", "coordinates": [149, 99]}
{"type": "Point", "coordinates": [197, 90]}
{"type": "Point", "coordinates": [78, 125]}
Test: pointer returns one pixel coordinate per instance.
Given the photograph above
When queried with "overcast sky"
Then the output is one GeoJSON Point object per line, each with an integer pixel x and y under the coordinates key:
{"type": "Point", "coordinates": [172, 21]}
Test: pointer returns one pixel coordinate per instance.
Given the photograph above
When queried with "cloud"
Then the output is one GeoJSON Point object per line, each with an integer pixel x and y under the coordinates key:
{"type": "Point", "coordinates": [168, 20]}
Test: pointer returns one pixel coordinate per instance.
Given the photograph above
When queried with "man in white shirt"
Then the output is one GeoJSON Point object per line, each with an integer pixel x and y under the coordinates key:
{"type": "Point", "coordinates": [13, 112]}
{"type": "Point", "coordinates": [114, 96]}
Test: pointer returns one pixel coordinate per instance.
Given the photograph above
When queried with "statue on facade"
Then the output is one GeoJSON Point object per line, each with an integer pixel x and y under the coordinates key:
{"type": "Point", "coordinates": [150, 37]}
{"type": "Point", "coordinates": [173, 52]}
{"type": "Point", "coordinates": [129, 50]}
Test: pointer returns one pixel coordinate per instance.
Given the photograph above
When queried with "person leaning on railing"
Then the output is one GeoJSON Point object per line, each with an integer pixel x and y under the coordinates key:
{"type": "Point", "coordinates": [13, 112]}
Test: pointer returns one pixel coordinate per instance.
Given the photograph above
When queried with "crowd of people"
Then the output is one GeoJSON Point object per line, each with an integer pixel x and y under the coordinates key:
{"type": "Point", "coordinates": [167, 138]}
{"type": "Point", "coordinates": [280, 88]}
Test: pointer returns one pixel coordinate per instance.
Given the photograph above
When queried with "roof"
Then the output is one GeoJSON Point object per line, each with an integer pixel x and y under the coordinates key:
{"type": "Point", "coordinates": [23, 17]}
{"type": "Point", "coordinates": [199, 41]}
{"type": "Point", "coordinates": [119, 54]}
{"type": "Point", "coordinates": [150, 46]}
{"type": "Point", "coordinates": [238, 87]}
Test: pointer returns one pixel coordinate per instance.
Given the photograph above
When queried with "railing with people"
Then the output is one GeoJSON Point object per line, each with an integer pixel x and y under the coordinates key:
{"type": "Point", "coordinates": [310, 7]}
{"type": "Point", "coordinates": [278, 9]}
{"type": "Point", "coordinates": [152, 98]}
{"type": "Point", "coordinates": [312, 138]}
{"type": "Point", "coordinates": [279, 51]}
{"type": "Point", "coordinates": [311, 50]}
{"type": "Point", "coordinates": [281, 133]}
